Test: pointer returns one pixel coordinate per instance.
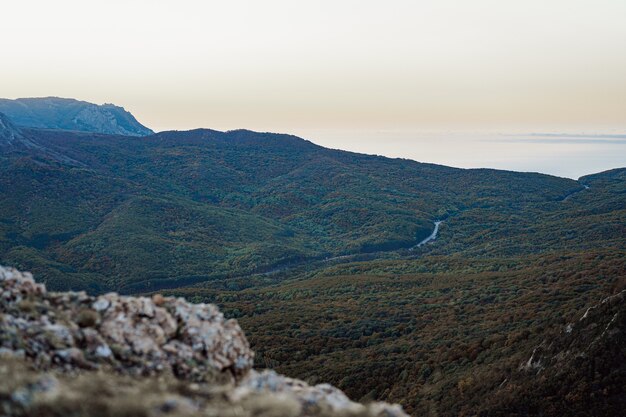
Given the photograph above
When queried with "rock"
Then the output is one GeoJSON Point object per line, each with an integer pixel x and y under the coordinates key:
{"type": "Point", "coordinates": [146, 336]}
{"type": "Point", "coordinates": [101, 304]}
{"type": "Point", "coordinates": [104, 351]}
{"type": "Point", "coordinates": [311, 398]}
{"type": "Point", "coordinates": [87, 318]}
{"type": "Point", "coordinates": [134, 334]}
{"type": "Point", "coordinates": [158, 299]}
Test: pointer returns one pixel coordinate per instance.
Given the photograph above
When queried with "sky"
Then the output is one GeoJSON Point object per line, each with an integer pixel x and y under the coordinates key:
{"type": "Point", "coordinates": [330, 69]}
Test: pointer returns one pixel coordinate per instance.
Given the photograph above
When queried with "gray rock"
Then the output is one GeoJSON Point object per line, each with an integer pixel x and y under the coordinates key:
{"type": "Point", "coordinates": [144, 336]}
{"type": "Point", "coordinates": [322, 396]}
{"type": "Point", "coordinates": [132, 333]}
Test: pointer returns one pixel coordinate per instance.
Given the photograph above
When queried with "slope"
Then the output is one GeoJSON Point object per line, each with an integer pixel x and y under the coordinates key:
{"type": "Point", "coordinates": [319, 203]}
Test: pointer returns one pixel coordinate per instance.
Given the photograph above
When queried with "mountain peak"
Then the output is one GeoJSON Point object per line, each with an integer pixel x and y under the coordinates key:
{"type": "Point", "coordinates": [71, 114]}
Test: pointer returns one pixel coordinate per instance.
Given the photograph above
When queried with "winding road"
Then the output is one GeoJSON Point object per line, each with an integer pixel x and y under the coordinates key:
{"type": "Point", "coordinates": [432, 236]}
{"type": "Point", "coordinates": [573, 193]}
{"type": "Point", "coordinates": [315, 262]}
{"type": "Point", "coordinates": [352, 256]}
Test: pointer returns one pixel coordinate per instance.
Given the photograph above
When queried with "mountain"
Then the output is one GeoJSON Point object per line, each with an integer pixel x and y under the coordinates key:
{"type": "Point", "coordinates": [212, 206]}
{"type": "Point", "coordinates": [70, 114]}
{"type": "Point", "coordinates": [317, 252]}
{"type": "Point", "coordinates": [441, 329]}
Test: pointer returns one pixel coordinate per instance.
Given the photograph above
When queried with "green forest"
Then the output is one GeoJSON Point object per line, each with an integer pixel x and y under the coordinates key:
{"type": "Point", "coordinates": [313, 251]}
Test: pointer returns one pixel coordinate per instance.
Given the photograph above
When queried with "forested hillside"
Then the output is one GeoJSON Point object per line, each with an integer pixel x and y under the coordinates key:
{"type": "Point", "coordinates": [116, 211]}
{"type": "Point", "coordinates": [314, 251]}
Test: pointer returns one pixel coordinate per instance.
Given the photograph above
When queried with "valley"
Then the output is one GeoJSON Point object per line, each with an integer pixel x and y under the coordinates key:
{"type": "Point", "coordinates": [313, 209]}
{"type": "Point", "coordinates": [392, 279]}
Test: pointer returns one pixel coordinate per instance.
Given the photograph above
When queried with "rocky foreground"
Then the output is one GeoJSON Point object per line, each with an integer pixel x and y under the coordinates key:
{"type": "Point", "coordinates": [73, 354]}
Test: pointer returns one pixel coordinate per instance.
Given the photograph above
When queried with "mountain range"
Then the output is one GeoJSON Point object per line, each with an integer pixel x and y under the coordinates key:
{"type": "Point", "coordinates": [317, 251]}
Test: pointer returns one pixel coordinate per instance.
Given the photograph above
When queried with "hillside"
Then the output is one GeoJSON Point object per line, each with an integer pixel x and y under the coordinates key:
{"type": "Point", "coordinates": [578, 369]}
{"type": "Point", "coordinates": [314, 251]}
{"type": "Point", "coordinates": [69, 352]}
{"type": "Point", "coordinates": [210, 205]}
{"type": "Point", "coordinates": [422, 332]}
{"type": "Point", "coordinates": [9, 134]}
{"type": "Point", "coordinates": [70, 114]}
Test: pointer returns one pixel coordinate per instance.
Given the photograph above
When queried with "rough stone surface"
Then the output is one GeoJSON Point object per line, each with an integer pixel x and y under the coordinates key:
{"type": "Point", "coordinates": [308, 396]}
{"type": "Point", "coordinates": [60, 334]}
{"type": "Point", "coordinates": [132, 334]}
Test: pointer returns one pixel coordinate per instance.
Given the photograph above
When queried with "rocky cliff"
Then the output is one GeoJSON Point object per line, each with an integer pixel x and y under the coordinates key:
{"type": "Point", "coordinates": [71, 353]}
{"type": "Point", "coordinates": [70, 114]}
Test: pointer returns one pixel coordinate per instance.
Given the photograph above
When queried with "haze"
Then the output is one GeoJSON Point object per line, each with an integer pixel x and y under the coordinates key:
{"type": "Point", "coordinates": [329, 66]}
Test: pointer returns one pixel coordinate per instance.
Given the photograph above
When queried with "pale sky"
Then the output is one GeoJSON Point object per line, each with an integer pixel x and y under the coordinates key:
{"type": "Point", "coordinates": [295, 65]}
{"type": "Point", "coordinates": [397, 78]}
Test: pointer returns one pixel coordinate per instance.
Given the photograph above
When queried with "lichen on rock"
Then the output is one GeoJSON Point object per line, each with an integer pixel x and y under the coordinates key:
{"type": "Point", "coordinates": [136, 335]}
{"type": "Point", "coordinates": [51, 341]}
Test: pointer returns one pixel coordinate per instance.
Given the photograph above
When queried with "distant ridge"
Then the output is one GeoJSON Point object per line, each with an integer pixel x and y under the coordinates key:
{"type": "Point", "coordinates": [71, 114]}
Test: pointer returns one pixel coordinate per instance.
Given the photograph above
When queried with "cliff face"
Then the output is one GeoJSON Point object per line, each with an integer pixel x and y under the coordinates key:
{"type": "Point", "coordinates": [153, 356]}
{"type": "Point", "coordinates": [70, 114]}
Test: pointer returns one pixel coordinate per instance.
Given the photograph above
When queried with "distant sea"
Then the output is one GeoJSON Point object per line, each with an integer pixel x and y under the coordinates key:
{"type": "Point", "coordinates": [570, 155]}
